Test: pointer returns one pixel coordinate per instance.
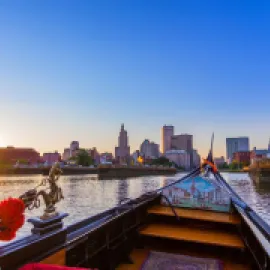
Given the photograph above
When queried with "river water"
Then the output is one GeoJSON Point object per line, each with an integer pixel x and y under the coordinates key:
{"type": "Point", "coordinates": [85, 195]}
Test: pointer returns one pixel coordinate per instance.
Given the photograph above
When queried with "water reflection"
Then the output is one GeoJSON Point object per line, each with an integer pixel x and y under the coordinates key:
{"type": "Point", "coordinates": [262, 188]}
{"type": "Point", "coordinates": [86, 195]}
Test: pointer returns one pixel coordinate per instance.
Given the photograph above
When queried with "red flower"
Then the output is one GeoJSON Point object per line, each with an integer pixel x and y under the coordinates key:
{"type": "Point", "coordinates": [11, 218]}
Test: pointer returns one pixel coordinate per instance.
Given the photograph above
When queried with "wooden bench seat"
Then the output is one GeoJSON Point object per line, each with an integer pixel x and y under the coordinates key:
{"type": "Point", "coordinates": [196, 235]}
{"type": "Point", "coordinates": [196, 214]}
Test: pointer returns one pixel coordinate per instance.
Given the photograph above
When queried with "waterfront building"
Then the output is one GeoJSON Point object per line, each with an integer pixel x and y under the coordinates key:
{"type": "Point", "coordinates": [135, 157]}
{"type": "Point", "coordinates": [183, 142]}
{"type": "Point", "coordinates": [258, 154]}
{"type": "Point", "coordinates": [11, 155]}
{"type": "Point", "coordinates": [242, 157]}
{"type": "Point", "coordinates": [179, 157]}
{"type": "Point", "coordinates": [155, 150]}
{"type": "Point", "coordinates": [233, 145]}
{"type": "Point", "coordinates": [149, 149]}
{"type": "Point", "coordinates": [93, 153]}
{"type": "Point", "coordinates": [122, 151]}
{"type": "Point", "coordinates": [219, 161]}
{"type": "Point", "coordinates": [196, 158]}
{"type": "Point", "coordinates": [74, 147]}
{"type": "Point", "coordinates": [166, 137]}
{"type": "Point", "coordinates": [66, 154]}
{"type": "Point", "coordinates": [106, 158]}
{"type": "Point", "coordinates": [51, 158]}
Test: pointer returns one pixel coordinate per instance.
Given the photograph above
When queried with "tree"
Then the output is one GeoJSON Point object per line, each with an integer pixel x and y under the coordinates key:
{"type": "Point", "coordinates": [236, 165]}
{"type": "Point", "coordinates": [23, 161]}
{"type": "Point", "coordinates": [83, 158]}
{"type": "Point", "coordinates": [164, 162]}
{"type": "Point", "coordinates": [161, 161]}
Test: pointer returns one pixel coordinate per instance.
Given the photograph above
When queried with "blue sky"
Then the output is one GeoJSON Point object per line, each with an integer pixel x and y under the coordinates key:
{"type": "Point", "coordinates": [75, 70]}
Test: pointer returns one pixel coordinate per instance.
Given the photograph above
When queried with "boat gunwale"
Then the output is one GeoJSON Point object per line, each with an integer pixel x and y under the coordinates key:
{"type": "Point", "coordinates": [111, 218]}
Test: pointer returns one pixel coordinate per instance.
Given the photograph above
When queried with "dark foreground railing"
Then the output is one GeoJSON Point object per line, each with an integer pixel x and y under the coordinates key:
{"type": "Point", "coordinates": [100, 241]}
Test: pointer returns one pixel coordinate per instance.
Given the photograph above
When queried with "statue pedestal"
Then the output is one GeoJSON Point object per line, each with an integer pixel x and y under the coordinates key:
{"type": "Point", "coordinates": [43, 226]}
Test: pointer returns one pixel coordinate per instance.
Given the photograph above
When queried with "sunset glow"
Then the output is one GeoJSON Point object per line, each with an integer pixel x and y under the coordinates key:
{"type": "Point", "coordinates": [2, 142]}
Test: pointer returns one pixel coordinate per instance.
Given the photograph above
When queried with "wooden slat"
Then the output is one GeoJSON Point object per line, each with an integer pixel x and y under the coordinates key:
{"type": "Point", "coordinates": [58, 258]}
{"type": "Point", "coordinates": [198, 235]}
{"type": "Point", "coordinates": [138, 256]}
{"type": "Point", "coordinates": [196, 214]}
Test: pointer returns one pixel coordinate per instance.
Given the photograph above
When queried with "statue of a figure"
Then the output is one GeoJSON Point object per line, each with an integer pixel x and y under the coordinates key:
{"type": "Point", "coordinates": [55, 192]}
{"type": "Point", "coordinates": [50, 197]}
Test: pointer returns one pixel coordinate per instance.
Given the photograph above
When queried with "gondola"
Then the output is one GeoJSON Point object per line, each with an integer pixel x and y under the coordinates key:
{"type": "Point", "coordinates": [197, 222]}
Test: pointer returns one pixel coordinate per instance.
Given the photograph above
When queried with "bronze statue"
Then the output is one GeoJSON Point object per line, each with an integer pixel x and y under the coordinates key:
{"type": "Point", "coordinates": [54, 195]}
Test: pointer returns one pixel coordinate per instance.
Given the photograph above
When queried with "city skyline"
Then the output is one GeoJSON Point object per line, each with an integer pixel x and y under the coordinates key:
{"type": "Point", "coordinates": [112, 149]}
{"type": "Point", "coordinates": [77, 71]}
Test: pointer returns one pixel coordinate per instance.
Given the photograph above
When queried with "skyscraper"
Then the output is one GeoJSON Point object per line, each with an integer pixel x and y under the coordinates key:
{"type": "Point", "coordinates": [122, 151]}
{"type": "Point", "coordinates": [183, 142]}
{"type": "Point", "coordinates": [234, 145]}
{"type": "Point", "coordinates": [74, 147]}
{"type": "Point", "coordinates": [166, 137]}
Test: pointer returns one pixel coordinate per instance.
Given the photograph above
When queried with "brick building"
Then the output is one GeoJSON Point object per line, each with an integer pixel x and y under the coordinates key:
{"type": "Point", "coordinates": [12, 154]}
{"type": "Point", "coordinates": [242, 157]}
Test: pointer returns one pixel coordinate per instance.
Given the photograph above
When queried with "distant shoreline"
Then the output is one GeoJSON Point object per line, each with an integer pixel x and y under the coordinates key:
{"type": "Point", "coordinates": [232, 171]}
{"type": "Point", "coordinates": [103, 172]}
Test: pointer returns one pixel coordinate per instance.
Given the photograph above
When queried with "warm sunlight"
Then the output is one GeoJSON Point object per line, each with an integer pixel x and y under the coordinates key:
{"type": "Point", "coordinates": [2, 142]}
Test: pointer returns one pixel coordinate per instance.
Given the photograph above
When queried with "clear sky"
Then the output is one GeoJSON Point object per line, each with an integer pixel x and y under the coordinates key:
{"type": "Point", "coordinates": [76, 70]}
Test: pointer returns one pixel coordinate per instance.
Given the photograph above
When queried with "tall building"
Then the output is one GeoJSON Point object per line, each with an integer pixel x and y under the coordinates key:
{"type": "Point", "coordinates": [155, 150]}
{"type": "Point", "coordinates": [66, 154]}
{"type": "Point", "coordinates": [196, 158]}
{"type": "Point", "coordinates": [183, 142]}
{"type": "Point", "coordinates": [122, 151]}
{"type": "Point", "coordinates": [234, 145]}
{"type": "Point", "coordinates": [149, 149]}
{"type": "Point", "coordinates": [166, 137]}
{"type": "Point", "coordinates": [74, 147]}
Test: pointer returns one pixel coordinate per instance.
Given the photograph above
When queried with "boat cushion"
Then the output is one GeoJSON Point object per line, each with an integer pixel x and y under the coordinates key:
{"type": "Point", "coordinates": [199, 193]}
{"type": "Point", "coordinates": [40, 266]}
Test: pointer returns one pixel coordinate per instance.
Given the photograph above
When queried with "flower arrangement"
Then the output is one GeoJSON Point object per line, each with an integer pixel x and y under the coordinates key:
{"type": "Point", "coordinates": [11, 218]}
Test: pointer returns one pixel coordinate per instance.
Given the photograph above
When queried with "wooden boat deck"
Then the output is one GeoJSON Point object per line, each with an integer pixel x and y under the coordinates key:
{"type": "Point", "coordinates": [195, 214]}
{"type": "Point", "coordinates": [197, 235]}
{"type": "Point", "coordinates": [192, 237]}
{"type": "Point", "coordinates": [138, 256]}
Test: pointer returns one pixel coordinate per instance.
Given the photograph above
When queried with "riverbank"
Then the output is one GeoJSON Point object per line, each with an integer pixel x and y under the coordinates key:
{"type": "Point", "coordinates": [102, 171]}
{"type": "Point", "coordinates": [231, 171]}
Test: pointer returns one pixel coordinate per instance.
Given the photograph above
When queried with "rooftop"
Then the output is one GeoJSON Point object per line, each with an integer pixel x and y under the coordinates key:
{"type": "Point", "coordinates": [174, 151]}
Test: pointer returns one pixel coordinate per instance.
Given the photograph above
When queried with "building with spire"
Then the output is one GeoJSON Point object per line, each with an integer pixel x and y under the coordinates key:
{"type": "Point", "coordinates": [122, 151]}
